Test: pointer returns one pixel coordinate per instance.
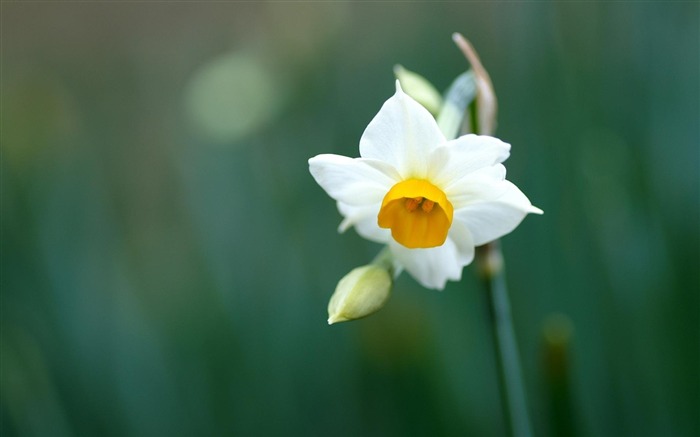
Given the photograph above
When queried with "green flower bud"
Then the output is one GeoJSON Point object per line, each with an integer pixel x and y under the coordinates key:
{"type": "Point", "coordinates": [419, 89]}
{"type": "Point", "coordinates": [360, 293]}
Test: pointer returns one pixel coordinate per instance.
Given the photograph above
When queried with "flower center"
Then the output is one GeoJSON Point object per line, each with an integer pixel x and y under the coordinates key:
{"type": "Point", "coordinates": [417, 212]}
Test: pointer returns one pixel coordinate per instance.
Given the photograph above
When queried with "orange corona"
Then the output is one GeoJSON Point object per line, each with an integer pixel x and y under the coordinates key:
{"type": "Point", "coordinates": [418, 214]}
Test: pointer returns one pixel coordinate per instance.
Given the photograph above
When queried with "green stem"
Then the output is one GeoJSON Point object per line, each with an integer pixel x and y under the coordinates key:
{"type": "Point", "coordinates": [385, 260]}
{"type": "Point", "coordinates": [509, 375]}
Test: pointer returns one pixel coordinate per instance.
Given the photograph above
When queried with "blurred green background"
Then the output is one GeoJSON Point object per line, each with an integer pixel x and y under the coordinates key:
{"type": "Point", "coordinates": [167, 259]}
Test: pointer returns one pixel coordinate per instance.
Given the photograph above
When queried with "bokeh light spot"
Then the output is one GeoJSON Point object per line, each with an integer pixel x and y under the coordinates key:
{"type": "Point", "coordinates": [231, 96]}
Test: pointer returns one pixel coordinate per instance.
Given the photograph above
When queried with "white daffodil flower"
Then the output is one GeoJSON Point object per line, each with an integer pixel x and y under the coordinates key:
{"type": "Point", "coordinates": [431, 200]}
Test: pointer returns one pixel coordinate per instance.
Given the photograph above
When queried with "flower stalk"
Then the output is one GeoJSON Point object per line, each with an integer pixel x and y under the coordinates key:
{"type": "Point", "coordinates": [481, 120]}
{"type": "Point", "coordinates": [512, 388]}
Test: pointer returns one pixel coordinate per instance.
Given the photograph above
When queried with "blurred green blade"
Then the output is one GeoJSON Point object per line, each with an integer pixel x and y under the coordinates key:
{"type": "Point", "coordinates": [457, 98]}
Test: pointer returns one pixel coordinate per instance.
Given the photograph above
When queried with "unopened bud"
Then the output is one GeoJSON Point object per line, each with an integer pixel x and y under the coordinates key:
{"type": "Point", "coordinates": [360, 293]}
{"type": "Point", "coordinates": [419, 89]}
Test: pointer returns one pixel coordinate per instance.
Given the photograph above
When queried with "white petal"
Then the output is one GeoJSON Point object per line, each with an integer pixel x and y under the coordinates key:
{"type": "Point", "coordinates": [364, 219]}
{"type": "Point", "coordinates": [402, 134]}
{"type": "Point", "coordinates": [489, 220]}
{"type": "Point", "coordinates": [353, 181]}
{"type": "Point", "coordinates": [433, 267]}
{"type": "Point", "coordinates": [464, 242]}
{"type": "Point", "coordinates": [459, 157]}
{"type": "Point", "coordinates": [484, 184]}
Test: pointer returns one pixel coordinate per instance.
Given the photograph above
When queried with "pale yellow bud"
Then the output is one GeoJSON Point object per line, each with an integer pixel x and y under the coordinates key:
{"type": "Point", "coordinates": [360, 293]}
{"type": "Point", "coordinates": [419, 89]}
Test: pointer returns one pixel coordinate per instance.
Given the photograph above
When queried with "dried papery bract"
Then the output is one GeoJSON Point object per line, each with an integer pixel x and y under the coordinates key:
{"type": "Point", "coordinates": [486, 103]}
